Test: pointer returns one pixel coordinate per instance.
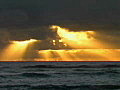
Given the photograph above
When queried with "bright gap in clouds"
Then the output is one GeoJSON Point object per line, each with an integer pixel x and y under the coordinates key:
{"type": "Point", "coordinates": [79, 40]}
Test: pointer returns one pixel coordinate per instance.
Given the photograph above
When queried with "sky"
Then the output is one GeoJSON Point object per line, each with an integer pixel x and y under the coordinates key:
{"type": "Point", "coordinates": [26, 19]}
{"type": "Point", "coordinates": [83, 29]}
{"type": "Point", "coordinates": [103, 11]}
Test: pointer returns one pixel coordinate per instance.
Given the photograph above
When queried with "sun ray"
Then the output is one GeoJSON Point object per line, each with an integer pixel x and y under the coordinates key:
{"type": "Point", "coordinates": [15, 50]}
{"type": "Point", "coordinates": [80, 55]}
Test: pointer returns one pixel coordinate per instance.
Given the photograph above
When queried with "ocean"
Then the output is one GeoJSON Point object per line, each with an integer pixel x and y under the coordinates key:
{"type": "Point", "coordinates": [59, 75]}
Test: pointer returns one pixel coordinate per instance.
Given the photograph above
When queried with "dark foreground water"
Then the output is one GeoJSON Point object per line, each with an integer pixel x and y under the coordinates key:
{"type": "Point", "coordinates": [59, 75]}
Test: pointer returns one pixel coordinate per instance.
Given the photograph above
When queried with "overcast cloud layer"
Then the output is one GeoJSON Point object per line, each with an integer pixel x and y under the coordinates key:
{"type": "Point", "coordinates": [25, 19]}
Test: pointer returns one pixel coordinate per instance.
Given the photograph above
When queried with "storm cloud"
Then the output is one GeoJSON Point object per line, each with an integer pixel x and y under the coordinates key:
{"type": "Point", "coordinates": [26, 19]}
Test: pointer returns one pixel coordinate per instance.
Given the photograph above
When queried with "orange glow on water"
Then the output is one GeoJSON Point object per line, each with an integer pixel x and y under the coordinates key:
{"type": "Point", "coordinates": [15, 50]}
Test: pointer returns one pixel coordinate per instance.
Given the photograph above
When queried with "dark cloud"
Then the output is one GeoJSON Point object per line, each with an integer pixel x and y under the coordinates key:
{"type": "Point", "coordinates": [26, 19]}
{"type": "Point", "coordinates": [59, 11]}
{"type": "Point", "coordinates": [13, 17]}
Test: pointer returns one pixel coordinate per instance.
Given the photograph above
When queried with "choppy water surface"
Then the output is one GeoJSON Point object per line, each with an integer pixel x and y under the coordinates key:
{"type": "Point", "coordinates": [60, 75]}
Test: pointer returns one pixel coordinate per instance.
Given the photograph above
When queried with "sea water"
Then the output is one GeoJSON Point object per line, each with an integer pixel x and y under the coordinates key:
{"type": "Point", "coordinates": [59, 75]}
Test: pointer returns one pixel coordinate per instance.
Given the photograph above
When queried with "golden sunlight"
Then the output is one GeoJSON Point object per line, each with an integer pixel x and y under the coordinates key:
{"type": "Point", "coordinates": [79, 55]}
{"type": "Point", "coordinates": [81, 39]}
{"type": "Point", "coordinates": [15, 50]}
